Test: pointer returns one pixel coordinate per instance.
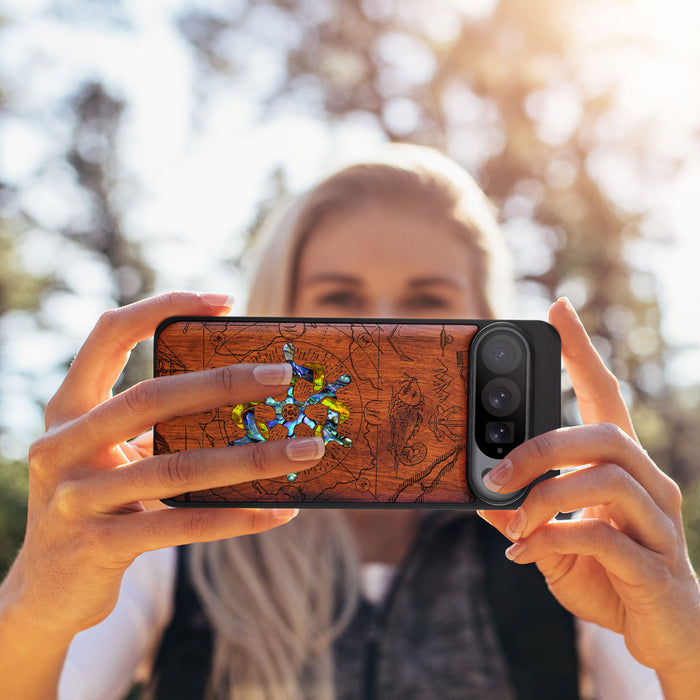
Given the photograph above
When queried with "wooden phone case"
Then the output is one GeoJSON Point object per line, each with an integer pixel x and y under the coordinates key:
{"type": "Point", "coordinates": [389, 398]}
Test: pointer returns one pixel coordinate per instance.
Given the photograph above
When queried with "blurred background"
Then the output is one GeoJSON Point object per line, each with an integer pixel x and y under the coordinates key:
{"type": "Point", "coordinates": [140, 143]}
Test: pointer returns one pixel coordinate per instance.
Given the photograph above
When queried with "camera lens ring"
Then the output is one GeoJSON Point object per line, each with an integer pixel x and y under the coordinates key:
{"type": "Point", "coordinates": [501, 397]}
{"type": "Point", "coordinates": [502, 353]}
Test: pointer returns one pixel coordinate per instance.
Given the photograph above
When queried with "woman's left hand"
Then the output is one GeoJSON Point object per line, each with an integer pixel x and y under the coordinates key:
{"type": "Point", "coordinates": [623, 564]}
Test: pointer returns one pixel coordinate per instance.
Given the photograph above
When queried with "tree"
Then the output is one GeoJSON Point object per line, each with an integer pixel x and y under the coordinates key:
{"type": "Point", "coordinates": [93, 155]}
{"type": "Point", "coordinates": [505, 91]}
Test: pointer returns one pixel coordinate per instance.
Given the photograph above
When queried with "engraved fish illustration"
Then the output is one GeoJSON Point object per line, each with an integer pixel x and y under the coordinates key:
{"type": "Point", "coordinates": [405, 417]}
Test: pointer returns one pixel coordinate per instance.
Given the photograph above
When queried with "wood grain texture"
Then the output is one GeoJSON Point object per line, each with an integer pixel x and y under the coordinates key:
{"type": "Point", "coordinates": [403, 386]}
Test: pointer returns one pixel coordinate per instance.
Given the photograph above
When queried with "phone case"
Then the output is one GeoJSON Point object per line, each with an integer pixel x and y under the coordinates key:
{"type": "Point", "coordinates": [390, 398]}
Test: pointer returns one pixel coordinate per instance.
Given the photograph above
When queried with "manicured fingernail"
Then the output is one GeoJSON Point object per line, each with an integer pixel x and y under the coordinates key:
{"type": "Point", "coordinates": [285, 514]}
{"type": "Point", "coordinates": [218, 300]}
{"type": "Point", "coordinates": [498, 476]}
{"type": "Point", "coordinates": [273, 375]}
{"type": "Point", "coordinates": [569, 306]}
{"type": "Point", "coordinates": [515, 550]}
{"type": "Point", "coordinates": [303, 449]}
{"type": "Point", "coordinates": [516, 525]}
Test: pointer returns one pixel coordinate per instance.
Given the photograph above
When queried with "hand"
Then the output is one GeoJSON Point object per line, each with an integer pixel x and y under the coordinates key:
{"type": "Point", "coordinates": [88, 514]}
{"type": "Point", "coordinates": [624, 564]}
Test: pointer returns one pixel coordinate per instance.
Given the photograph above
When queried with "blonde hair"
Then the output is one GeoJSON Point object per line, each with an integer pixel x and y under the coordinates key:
{"type": "Point", "coordinates": [416, 176]}
{"type": "Point", "coordinates": [277, 600]}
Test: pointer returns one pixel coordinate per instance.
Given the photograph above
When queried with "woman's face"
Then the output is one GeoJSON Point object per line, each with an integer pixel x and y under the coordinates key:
{"type": "Point", "coordinates": [385, 261]}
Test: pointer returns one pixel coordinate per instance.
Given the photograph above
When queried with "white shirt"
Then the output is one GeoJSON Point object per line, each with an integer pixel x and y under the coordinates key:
{"type": "Point", "coordinates": [104, 661]}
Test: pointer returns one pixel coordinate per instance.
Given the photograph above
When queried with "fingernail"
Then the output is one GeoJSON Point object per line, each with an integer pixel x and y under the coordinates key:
{"type": "Point", "coordinates": [303, 449]}
{"type": "Point", "coordinates": [499, 476]}
{"type": "Point", "coordinates": [273, 375]}
{"type": "Point", "coordinates": [569, 306]}
{"type": "Point", "coordinates": [515, 550]}
{"type": "Point", "coordinates": [285, 514]}
{"type": "Point", "coordinates": [218, 300]}
{"type": "Point", "coordinates": [516, 525]}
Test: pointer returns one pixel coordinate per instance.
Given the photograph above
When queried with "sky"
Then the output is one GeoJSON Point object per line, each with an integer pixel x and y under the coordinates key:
{"type": "Point", "coordinates": [186, 183]}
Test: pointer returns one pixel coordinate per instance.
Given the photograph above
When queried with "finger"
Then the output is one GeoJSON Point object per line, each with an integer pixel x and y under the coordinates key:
{"type": "Point", "coordinates": [497, 518]}
{"type": "Point", "coordinates": [102, 357]}
{"type": "Point", "coordinates": [143, 444]}
{"type": "Point", "coordinates": [138, 448]}
{"type": "Point", "coordinates": [596, 388]}
{"type": "Point", "coordinates": [165, 476]}
{"type": "Point", "coordinates": [618, 554]}
{"type": "Point", "coordinates": [131, 452]}
{"type": "Point", "coordinates": [155, 400]}
{"type": "Point", "coordinates": [606, 486]}
{"type": "Point", "coordinates": [156, 529]}
{"type": "Point", "coordinates": [583, 444]}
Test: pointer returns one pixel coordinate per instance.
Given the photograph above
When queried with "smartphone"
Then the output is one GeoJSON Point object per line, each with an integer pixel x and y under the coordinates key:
{"type": "Point", "coordinates": [414, 413]}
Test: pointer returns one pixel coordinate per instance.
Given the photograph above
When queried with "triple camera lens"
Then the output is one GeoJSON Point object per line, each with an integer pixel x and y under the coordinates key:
{"type": "Point", "coordinates": [505, 357]}
{"type": "Point", "coordinates": [501, 371]}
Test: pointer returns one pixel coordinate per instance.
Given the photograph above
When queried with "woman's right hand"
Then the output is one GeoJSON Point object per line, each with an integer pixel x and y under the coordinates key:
{"type": "Point", "coordinates": [88, 516]}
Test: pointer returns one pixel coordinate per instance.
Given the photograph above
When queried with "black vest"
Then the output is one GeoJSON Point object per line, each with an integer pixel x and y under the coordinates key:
{"type": "Point", "coordinates": [420, 644]}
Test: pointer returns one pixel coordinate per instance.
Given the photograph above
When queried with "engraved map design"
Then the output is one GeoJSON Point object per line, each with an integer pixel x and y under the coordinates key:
{"type": "Point", "coordinates": [389, 400]}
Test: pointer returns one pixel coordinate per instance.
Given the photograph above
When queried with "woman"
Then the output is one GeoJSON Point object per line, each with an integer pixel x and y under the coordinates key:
{"type": "Point", "coordinates": [623, 566]}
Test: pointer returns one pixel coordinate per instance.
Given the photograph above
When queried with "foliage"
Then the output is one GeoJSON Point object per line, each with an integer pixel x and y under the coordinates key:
{"type": "Point", "coordinates": [488, 89]}
{"type": "Point", "coordinates": [508, 93]}
{"type": "Point", "coordinates": [514, 90]}
{"type": "Point", "coordinates": [14, 483]}
{"type": "Point", "coordinates": [19, 290]}
{"type": "Point", "coordinates": [88, 159]}
{"type": "Point", "coordinates": [691, 521]}
{"type": "Point", "coordinates": [93, 155]}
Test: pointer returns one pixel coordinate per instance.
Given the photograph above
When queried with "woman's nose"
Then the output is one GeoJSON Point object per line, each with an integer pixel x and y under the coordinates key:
{"type": "Point", "coordinates": [382, 308]}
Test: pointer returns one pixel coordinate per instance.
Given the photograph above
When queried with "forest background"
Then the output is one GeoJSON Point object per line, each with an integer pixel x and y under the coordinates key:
{"type": "Point", "coordinates": [140, 143]}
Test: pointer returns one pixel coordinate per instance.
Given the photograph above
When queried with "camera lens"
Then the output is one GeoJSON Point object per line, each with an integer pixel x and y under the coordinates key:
{"type": "Point", "coordinates": [500, 396]}
{"type": "Point", "coordinates": [499, 432]}
{"type": "Point", "coordinates": [502, 353]}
